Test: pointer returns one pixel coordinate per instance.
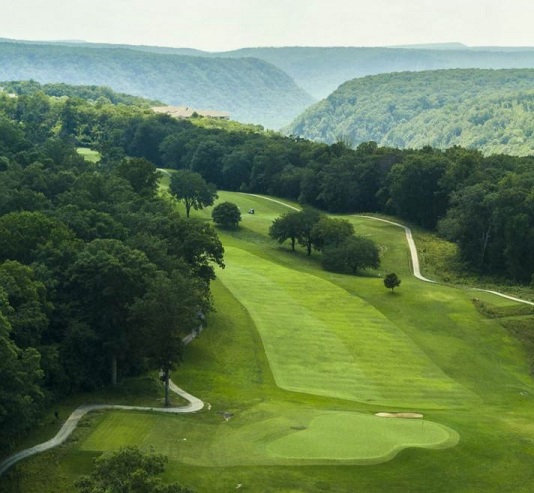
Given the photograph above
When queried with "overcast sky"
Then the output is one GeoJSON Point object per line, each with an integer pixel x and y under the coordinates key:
{"type": "Point", "coordinates": [219, 25]}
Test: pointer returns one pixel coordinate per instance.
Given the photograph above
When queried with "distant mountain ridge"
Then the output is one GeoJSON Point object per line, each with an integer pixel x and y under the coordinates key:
{"type": "Point", "coordinates": [320, 70]}
{"type": "Point", "coordinates": [492, 110]}
{"type": "Point", "coordinates": [274, 99]}
{"type": "Point", "coordinates": [251, 90]}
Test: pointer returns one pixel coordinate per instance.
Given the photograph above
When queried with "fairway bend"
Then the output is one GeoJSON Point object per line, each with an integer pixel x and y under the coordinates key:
{"type": "Point", "coordinates": [413, 251]}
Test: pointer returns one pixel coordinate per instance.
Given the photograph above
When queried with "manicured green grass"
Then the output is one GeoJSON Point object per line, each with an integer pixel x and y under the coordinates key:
{"type": "Point", "coordinates": [269, 435]}
{"type": "Point", "coordinates": [286, 441]}
{"type": "Point", "coordinates": [322, 340]}
{"type": "Point", "coordinates": [89, 154]}
{"type": "Point", "coordinates": [351, 436]}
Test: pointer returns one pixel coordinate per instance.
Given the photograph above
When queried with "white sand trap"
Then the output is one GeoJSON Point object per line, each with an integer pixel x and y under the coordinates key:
{"type": "Point", "coordinates": [400, 415]}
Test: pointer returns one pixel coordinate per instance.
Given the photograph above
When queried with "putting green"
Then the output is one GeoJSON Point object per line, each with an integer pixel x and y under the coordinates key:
{"type": "Point", "coordinates": [268, 434]}
{"type": "Point", "coordinates": [354, 436]}
{"type": "Point", "coordinates": [321, 340]}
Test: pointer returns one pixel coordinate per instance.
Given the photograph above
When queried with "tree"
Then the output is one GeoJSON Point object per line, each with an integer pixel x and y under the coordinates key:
{"type": "Point", "coordinates": [129, 470]}
{"type": "Point", "coordinates": [26, 296]}
{"type": "Point", "coordinates": [286, 227]}
{"type": "Point", "coordinates": [106, 279]}
{"type": "Point", "coordinates": [391, 281]}
{"type": "Point", "coordinates": [226, 215]}
{"type": "Point", "coordinates": [164, 316]}
{"type": "Point", "coordinates": [20, 376]}
{"type": "Point", "coordinates": [330, 232]}
{"type": "Point", "coordinates": [353, 254]}
{"type": "Point", "coordinates": [307, 219]}
{"type": "Point", "coordinates": [296, 226]}
{"type": "Point", "coordinates": [141, 174]}
{"type": "Point", "coordinates": [191, 189]}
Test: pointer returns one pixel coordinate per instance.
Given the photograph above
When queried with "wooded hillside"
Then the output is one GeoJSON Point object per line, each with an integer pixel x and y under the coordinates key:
{"type": "Point", "coordinates": [251, 90]}
{"type": "Point", "coordinates": [319, 71]}
{"type": "Point", "coordinates": [491, 110]}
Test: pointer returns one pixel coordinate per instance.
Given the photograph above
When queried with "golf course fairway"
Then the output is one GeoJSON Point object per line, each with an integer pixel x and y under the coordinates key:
{"type": "Point", "coordinates": [321, 340]}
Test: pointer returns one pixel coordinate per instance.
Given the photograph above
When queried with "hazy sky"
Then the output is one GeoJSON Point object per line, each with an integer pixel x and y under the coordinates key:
{"type": "Point", "coordinates": [229, 24]}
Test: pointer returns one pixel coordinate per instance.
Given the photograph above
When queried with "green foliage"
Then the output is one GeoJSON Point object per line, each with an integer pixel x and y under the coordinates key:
{"type": "Point", "coordinates": [250, 89]}
{"type": "Point", "coordinates": [20, 379]}
{"type": "Point", "coordinates": [95, 94]}
{"type": "Point", "coordinates": [190, 188]}
{"type": "Point", "coordinates": [28, 309]}
{"type": "Point", "coordinates": [286, 227]}
{"type": "Point", "coordinates": [328, 232]}
{"type": "Point", "coordinates": [391, 281]}
{"type": "Point", "coordinates": [486, 109]}
{"type": "Point", "coordinates": [141, 174]}
{"type": "Point", "coordinates": [226, 214]}
{"type": "Point", "coordinates": [351, 255]}
{"type": "Point", "coordinates": [167, 312]}
{"type": "Point", "coordinates": [128, 470]}
{"type": "Point", "coordinates": [82, 244]}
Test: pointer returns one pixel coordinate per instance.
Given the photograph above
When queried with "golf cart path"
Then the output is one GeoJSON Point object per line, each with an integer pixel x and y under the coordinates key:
{"type": "Point", "coordinates": [413, 251]}
{"type": "Point", "coordinates": [69, 426]}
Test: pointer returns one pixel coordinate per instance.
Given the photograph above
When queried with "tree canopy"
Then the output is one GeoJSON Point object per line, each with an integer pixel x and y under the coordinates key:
{"type": "Point", "coordinates": [129, 470]}
{"type": "Point", "coordinates": [191, 189]}
{"type": "Point", "coordinates": [486, 109]}
{"type": "Point", "coordinates": [226, 215]}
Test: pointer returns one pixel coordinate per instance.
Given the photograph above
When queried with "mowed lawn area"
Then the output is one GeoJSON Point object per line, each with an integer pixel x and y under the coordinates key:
{"type": "Point", "coordinates": [302, 359]}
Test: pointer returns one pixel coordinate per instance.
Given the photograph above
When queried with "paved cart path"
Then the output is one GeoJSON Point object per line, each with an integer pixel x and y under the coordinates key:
{"type": "Point", "coordinates": [413, 251]}
{"type": "Point", "coordinates": [73, 420]}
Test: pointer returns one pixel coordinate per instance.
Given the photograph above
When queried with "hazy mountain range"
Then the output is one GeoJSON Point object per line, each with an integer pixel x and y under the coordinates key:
{"type": "Point", "coordinates": [269, 86]}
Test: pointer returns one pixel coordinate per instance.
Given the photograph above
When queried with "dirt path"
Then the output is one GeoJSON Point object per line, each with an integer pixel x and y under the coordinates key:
{"type": "Point", "coordinates": [413, 251]}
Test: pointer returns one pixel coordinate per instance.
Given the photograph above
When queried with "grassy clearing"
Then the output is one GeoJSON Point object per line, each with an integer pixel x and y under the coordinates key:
{"type": "Point", "coordinates": [89, 154]}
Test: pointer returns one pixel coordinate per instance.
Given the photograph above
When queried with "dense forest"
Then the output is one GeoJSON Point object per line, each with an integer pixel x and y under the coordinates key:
{"type": "Point", "coordinates": [251, 90]}
{"type": "Point", "coordinates": [88, 250]}
{"type": "Point", "coordinates": [87, 253]}
{"type": "Point", "coordinates": [490, 110]}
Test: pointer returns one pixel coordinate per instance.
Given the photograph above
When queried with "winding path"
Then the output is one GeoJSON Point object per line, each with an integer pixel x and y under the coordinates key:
{"type": "Point", "coordinates": [413, 252]}
{"type": "Point", "coordinates": [73, 420]}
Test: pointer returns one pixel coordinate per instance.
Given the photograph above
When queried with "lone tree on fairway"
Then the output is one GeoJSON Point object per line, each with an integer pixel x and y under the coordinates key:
{"type": "Point", "coordinates": [226, 215]}
{"type": "Point", "coordinates": [391, 281]}
{"type": "Point", "coordinates": [191, 189]}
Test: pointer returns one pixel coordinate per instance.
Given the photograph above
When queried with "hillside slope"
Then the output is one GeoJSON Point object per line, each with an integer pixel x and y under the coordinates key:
{"type": "Point", "coordinates": [492, 110]}
{"type": "Point", "coordinates": [249, 89]}
{"type": "Point", "coordinates": [319, 71]}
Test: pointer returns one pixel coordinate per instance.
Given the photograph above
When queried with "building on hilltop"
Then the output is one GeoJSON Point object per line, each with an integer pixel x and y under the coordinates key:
{"type": "Point", "coordinates": [186, 112]}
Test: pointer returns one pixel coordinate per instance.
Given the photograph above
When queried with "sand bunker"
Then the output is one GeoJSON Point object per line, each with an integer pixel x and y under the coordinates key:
{"type": "Point", "coordinates": [399, 415]}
